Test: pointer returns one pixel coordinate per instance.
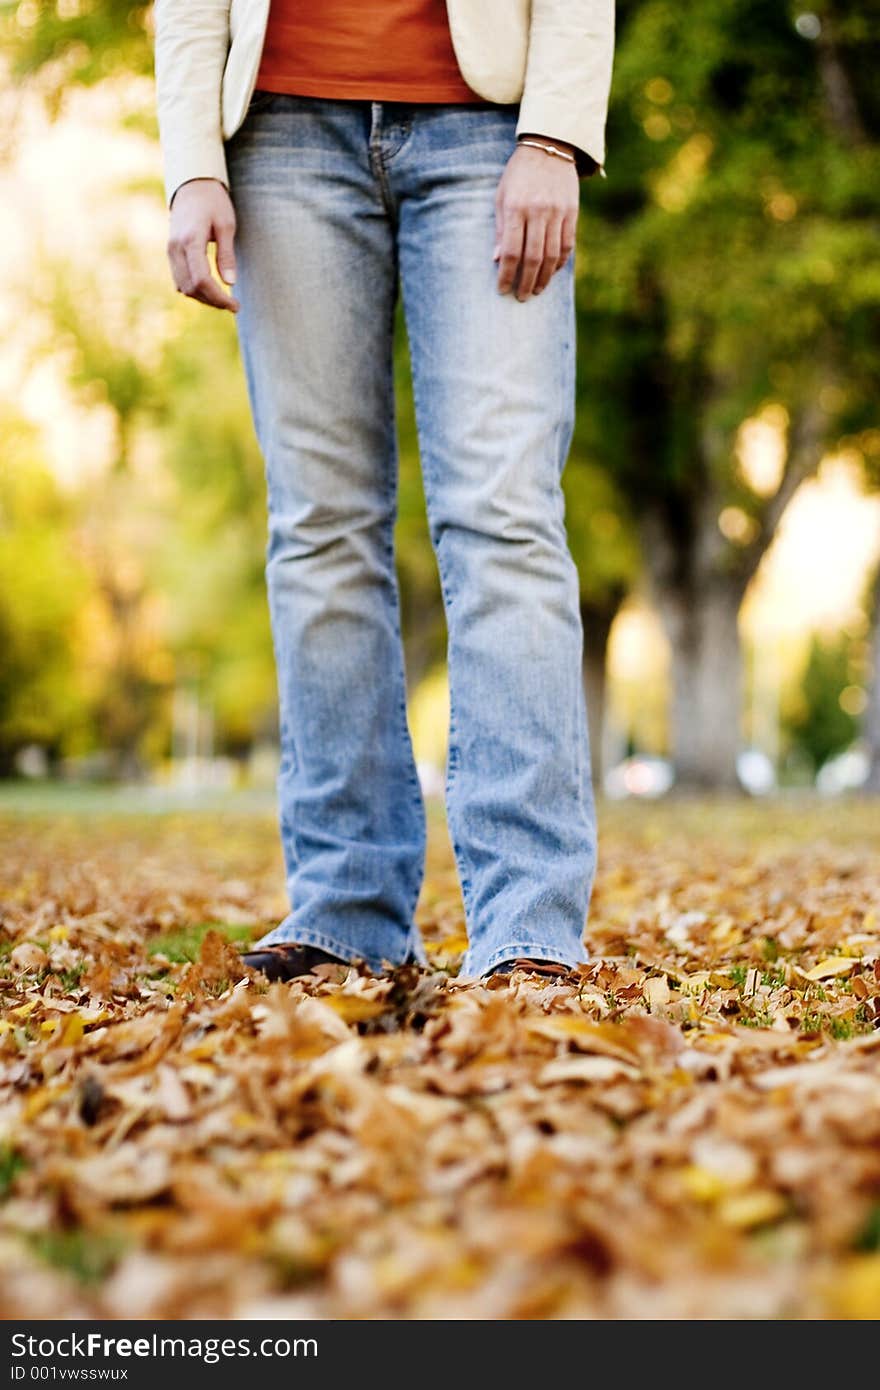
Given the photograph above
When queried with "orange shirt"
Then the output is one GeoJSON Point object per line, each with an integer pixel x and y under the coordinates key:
{"type": "Point", "coordinates": [374, 50]}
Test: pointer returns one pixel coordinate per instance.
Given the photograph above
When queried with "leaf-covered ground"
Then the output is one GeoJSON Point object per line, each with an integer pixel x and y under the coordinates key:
{"type": "Point", "coordinates": [690, 1128]}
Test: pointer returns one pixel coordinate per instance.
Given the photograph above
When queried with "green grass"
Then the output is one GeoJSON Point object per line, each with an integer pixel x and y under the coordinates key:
{"type": "Point", "coordinates": [184, 944]}
{"type": "Point", "coordinates": [71, 979]}
{"type": "Point", "coordinates": [758, 1018]}
{"type": "Point", "coordinates": [773, 978]}
{"type": "Point", "coordinates": [88, 1256]}
{"type": "Point", "coordinates": [94, 798]}
{"type": "Point", "coordinates": [11, 1164]}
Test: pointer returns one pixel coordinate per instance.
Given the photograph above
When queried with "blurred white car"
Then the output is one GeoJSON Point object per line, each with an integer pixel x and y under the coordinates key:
{"type": "Point", "coordinates": [642, 775]}
{"type": "Point", "coordinates": [846, 772]}
{"type": "Point", "coordinates": [756, 772]}
{"type": "Point", "coordinates": [639, 775]}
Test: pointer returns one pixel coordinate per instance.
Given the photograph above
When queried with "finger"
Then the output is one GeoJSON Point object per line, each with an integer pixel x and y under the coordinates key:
{"type": "Point", "coordinates": [569, 236]}
{"type": "Point", "coordinates": [201, 284]}
{"type": "Point", "coordinates": [177, 261]}
{"type": "Point", "coordinates": [499, 226]}
{"type": "Point", "coordinates": [224, 235]}
{"type": "Point", "coordinates": [511, 250]}
{"type": "Point", "coordinates": [533, 255]}
{"type": "Point", "coordinates": [552, 251]}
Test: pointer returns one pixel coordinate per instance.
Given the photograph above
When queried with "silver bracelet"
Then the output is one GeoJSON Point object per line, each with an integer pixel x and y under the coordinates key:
{"type": "Point", "coordinates": [548, 148]}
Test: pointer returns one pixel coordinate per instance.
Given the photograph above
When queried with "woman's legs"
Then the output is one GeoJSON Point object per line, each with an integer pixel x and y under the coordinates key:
{"type": "Point", "coordinates": [494, 381]}
{"type": "Point", "coordinates": [317, 284]}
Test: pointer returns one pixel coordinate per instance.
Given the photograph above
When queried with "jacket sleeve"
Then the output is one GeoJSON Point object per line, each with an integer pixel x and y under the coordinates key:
{"type": "Point", "coordinates": [568, 76]}
{"type": "Point", "coordinates": [192, 43]}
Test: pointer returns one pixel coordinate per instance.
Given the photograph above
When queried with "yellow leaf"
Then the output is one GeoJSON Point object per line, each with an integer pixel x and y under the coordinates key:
{"type": "Point", "coordinates": [718, 1039]}
{"type": "Point", "coordinates": [702, 1184]}
{"type": "Point", "coordinates": [830, 966]}
{"type": "Point", "coordinates": [242, 1120]}
{"type": "Point", "coordinates": [604, 1038]}
{"type": "Point", "coordinates": [744, 1210]}
{"type": "Point", "coordinates": [39, 1099]}
{"type": "Point", "coordinates": [352, 1008]}
{"type": "Point", "coordinates": [59, 933]}
{"type": "Point", "coordinates": [856, 1293]}
{"type": "Point", "coordinates": [73, 1029]}
{"type": "Point", "coordinates": [94, 1015]}
{"type": "Point", "coordinates": [449, 946]}
{"type": "Point", "coordinates": [463, 1274]}
{"type": "Point", "coordinates": [726, 933]}
{"type": "Point", "coordinates": [24, 1010]}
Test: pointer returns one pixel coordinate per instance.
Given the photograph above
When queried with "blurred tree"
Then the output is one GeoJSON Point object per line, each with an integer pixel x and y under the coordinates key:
{"type": "Point", "coordinates": [80, 43]}
{"type": "Point", "coordinates": [72, 44]}
{"type": "Point", "coordinates": [212, 553]}
{"type": "Point", "coordinates": [871, 721]}
{"type": "Point", "coordinates": [732, 271]}
{"type": "Point", "coordinates": [869, 443]}
{"type": "Point", "coordinates": [108, 333]}
{"type": "Point", "coordinates": [173, 532]}
{"type": "Point", "coordinates": [605, 549]}
{"type": "Point", "coordinates": [43, 586]}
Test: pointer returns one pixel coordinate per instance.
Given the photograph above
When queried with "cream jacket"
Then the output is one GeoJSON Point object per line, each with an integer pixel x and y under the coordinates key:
{"type": "Point", "coordinates": [552, 56]}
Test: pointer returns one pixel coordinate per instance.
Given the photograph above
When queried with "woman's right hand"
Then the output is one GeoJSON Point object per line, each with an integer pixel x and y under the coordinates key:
{"type": "Point", "coordinates": [202, 212]}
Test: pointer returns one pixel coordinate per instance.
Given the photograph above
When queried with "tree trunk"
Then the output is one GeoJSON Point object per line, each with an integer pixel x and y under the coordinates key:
{"type": "Point", "coordinates": [597, 620]}
{"type": "Point", "coordinates": [871, 725]}
{"type": "Point", "coordinates": [701, 625]}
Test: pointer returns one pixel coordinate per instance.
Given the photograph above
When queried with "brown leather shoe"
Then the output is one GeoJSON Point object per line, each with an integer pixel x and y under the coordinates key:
{"type": "Point", "coordinates": [286, 962]}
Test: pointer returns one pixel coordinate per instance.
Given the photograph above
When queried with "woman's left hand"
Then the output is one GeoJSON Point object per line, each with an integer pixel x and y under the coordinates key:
{"type": "Point", "coordinates": [536, 211]}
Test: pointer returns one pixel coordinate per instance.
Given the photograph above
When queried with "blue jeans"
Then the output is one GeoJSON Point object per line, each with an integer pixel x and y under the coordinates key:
{"type": "Point", "coordinates": [337, 202]}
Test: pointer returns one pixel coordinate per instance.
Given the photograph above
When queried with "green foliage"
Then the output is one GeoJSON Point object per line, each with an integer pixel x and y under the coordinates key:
{"type": "Point", "coordinates": [818, 724]}
{"type": "Point", "coordinates": [729, 254]}
{"type": "Point", "coordinates": [868, 1238]}
{"type": "Point", "coordinates": [728, 260]}
{"type": "Point", "coordinates": [77, 43]}
{"type": "Point", "coordinates": [43, 585]}
{"type": "Point", "coordinates": [211, 559]}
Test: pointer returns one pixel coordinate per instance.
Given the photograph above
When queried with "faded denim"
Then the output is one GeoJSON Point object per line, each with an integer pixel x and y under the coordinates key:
{"type": "Point", "coordinates": [338, 203]}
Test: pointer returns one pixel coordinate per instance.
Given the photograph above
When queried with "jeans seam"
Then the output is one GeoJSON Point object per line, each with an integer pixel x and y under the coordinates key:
{"type": "Point", "coordinates": [564, 398]}
{"type": "Point", "coordinates": [415, 791]}
{"type": "Point", "coordinates": [377, 159]}
{"type": "Point", "coordinates": [452, 759]}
